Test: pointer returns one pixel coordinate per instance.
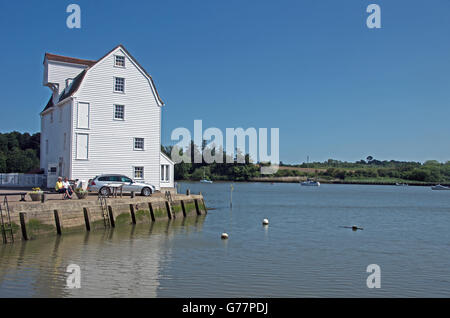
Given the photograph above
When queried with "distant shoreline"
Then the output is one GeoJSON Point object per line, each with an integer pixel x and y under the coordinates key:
{"type": "Point", "coordinates": [288, 180]}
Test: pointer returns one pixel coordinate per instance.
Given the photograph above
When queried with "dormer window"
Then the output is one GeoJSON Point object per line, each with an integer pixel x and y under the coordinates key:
{"type": "Point", "coordinates": [119, 61]}
{"type": "Point", "coordinates": [119, 84]}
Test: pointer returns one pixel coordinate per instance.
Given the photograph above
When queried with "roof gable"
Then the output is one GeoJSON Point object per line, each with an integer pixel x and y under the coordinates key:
{"type": "Point", "coordinates": [145, 73]}
{"type": "Point", "coordinates": [91, 64]}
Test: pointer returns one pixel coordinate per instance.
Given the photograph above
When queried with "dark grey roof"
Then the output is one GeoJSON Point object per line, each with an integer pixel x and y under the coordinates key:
{"type": "Point", "coordinates": [72, 90]}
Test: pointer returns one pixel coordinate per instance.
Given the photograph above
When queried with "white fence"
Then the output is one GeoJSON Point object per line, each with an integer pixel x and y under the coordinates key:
{"type": "Point", "coordinates": [22, 180]}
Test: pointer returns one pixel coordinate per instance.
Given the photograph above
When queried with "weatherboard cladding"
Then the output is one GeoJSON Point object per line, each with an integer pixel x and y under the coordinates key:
{"type": "Point", "coordinates": [90, 64]}
{"type": "Point", "coordinates": [111, 141]}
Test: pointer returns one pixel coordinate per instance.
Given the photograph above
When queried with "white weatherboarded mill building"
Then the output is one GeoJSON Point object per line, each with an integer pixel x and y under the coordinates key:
{"type": "Point", "coordinates": [104, 117]}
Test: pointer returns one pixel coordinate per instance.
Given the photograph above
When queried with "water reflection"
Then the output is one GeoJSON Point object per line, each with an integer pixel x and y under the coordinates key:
{"type": "Point", "coordinates": [125, 261]}
{"type": "Point", "coordinates": [302, 253]}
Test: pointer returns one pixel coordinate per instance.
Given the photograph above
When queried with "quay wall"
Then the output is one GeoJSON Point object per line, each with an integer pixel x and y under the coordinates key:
{"type": "Point", "coordinates": [31, 220]}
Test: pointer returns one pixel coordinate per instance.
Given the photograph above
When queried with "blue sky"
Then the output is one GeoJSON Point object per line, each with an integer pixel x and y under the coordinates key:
{"type": "Point", "coordinates": [335, 88]}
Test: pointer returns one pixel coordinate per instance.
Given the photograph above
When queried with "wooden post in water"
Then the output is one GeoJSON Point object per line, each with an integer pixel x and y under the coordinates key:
{"type": "Point", "coordinates": [23, 225]}
{"type": "Point", "coordinates": [183, 208]}
{"type": "Point", "coordinates": [111, 216]}
{"type": "Point", "coordinates": [133, 214]}
{"type": "Point", "coordinates": [86, 219]}
{"type": "Point", "coordinates": [197, 208]}
{"type": "Point", "coordinates": [169, 211]}
{"type": "Point", "coordinates": [57, 222]}
{"type": "Point", "coordinates": [150, 208]}
{"type": "Point", "coordinates": [204, 206]}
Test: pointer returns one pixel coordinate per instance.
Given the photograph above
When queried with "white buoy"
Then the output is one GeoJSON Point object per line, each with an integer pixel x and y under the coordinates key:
{"type": "Point", "coordinates": [265, 222]}
{"type": "Point", "coordinates": [224, 236]}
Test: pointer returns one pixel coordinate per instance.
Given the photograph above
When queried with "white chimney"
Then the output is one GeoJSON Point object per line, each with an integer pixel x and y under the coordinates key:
{"type": "Point", "coordinates": [55, 89]}
{"type": "Point", "coordinates": [68, 84]}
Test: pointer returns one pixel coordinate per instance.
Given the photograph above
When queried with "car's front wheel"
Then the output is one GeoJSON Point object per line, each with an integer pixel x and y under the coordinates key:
{"type": "Point", "coordinates": [146, 192]}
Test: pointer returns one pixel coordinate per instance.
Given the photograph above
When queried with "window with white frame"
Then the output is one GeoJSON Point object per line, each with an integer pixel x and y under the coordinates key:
{"type": "Point", "coordinates": [119, 112]}
{"type": "Point", "coordinates": [82, 146]}
{"type": "Point", "coordinates": [165, 173]}
{"type": "Point", "coordinates": [138, 143]}
{"type": "Point", "coordinates": [119, 84]}
{"type": "Point", "coordinates": [119, 61]}
{"type": "Point", "coordinates": [139, 172]}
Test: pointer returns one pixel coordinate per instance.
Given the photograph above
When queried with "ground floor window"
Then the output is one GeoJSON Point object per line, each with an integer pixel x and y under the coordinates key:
{"type": "Point", "coordinates": [139, 172]}
{"type": "Point", "coordinates": [165, 173]}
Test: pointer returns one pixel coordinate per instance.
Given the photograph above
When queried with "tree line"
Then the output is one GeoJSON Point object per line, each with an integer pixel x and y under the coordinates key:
{"type": "Point", "coordinates": [235, 171]}
{"type": "Point", "coordinates": [372, 169]}
{"type": "Point", "coordinates": [19, 152]}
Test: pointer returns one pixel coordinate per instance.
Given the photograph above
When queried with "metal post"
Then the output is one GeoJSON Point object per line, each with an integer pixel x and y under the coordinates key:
{"type": "Point", "coordinates": [231, 196]}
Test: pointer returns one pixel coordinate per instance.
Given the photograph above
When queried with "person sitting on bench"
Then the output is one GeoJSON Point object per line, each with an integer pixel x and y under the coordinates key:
{"type": "Point", "coordinates": [68, 187]}
{"type": "Point", "coordinates": [59, 187]}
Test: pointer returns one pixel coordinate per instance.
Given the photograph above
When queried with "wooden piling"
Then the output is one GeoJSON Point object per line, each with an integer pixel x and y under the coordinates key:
{"type": "Point", "coordinates": [57, 221]}
{"type": "Point", "coordinates": [86, 219]}
{"type": "Point", "coordinates": [150, 208]}
{"type": "Point", "coordinates": [23, 226]}
{"type": "Point", "coordinates": [169, 211]}
{"type": "Point", "coordinates": [111, 216]}
{"type": "Point", "coordinates": [197, 208]}
{"type": "Point", "coordinates": [183, 208]}
{"type": "Point", "coordinates": [133, 214]}
{"type": "Point", "coordinates": [204, 206]}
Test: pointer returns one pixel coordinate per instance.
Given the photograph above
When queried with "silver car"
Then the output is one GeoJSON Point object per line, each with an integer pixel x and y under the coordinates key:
{"type": "Point", "coordinates": [99, 184]}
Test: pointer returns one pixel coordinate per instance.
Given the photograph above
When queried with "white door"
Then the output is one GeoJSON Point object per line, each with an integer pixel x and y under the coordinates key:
{"type": "Point", "coordinates": [82, 146]}
{"type": "Point", "coordinates": [83, 115]}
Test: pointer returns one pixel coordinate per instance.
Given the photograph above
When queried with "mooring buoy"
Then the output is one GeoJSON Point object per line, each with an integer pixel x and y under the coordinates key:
{"type": "Point", "coordinates": [265, 222]}
{"type": "Point", "coordinates": [224, 236]}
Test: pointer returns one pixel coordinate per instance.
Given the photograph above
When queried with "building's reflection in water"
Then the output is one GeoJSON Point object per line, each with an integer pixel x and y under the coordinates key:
{"type": "Point", "coordinates": [123, 262]}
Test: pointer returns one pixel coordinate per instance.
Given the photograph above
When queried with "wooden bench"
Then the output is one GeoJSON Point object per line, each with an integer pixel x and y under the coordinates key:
{"type": "Point", "coordinates": [22, 195]}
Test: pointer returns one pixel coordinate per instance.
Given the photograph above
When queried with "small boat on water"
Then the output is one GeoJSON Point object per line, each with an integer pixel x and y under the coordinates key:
{"type": "Point", "coordinates": [204, 180]}
{"type": "Point", "coordinates": [440, 187]}
{"type": "Point", "coordinates": [401, 184]}
{"type": "Point", "coordinates": [310, 183]}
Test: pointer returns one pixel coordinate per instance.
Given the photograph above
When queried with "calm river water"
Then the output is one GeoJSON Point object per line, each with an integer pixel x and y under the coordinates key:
{"type": "Point", "coordinates": [304, 252]}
